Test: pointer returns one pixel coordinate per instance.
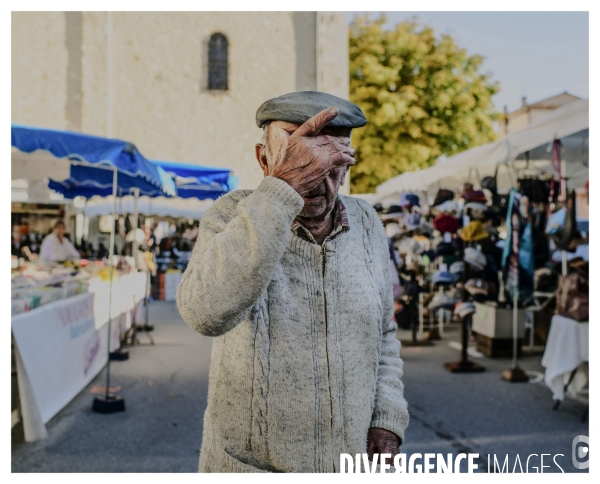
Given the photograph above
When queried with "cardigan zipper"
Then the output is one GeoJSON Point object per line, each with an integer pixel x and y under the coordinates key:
{"type": "Point", "coordinates": [324, 254]}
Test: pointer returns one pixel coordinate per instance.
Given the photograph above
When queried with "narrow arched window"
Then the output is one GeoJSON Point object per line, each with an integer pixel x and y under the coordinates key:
{"type": "Point", "coordinates": [217, 62]}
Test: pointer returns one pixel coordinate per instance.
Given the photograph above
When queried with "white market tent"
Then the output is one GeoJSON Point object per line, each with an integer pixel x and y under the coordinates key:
{"type": "Point", "coordinates": [188, 208]}
{"type": "Point", "coordinates": [569, 122]}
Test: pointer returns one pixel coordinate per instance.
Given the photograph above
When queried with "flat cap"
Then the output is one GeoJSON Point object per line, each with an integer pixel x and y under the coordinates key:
{"type": "Point", "coordinates": [298, 107]}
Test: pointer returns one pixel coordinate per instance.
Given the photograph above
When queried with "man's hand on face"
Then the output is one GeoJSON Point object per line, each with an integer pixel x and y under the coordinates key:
{"type": "Point", "coordinates": [381, 441]}
{"type": "Point", "coordinates": [306, 157]}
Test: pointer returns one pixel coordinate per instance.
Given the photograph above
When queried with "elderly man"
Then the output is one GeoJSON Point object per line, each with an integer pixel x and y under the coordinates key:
{"type": "Point", "coordinates": [294, 282]}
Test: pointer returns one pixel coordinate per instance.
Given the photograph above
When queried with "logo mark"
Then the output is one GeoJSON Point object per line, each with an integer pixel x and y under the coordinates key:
{"type": "Point", "coordinates": [581, 453]}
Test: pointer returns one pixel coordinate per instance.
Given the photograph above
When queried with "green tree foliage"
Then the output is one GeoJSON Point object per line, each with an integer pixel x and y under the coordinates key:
{"type": "Point", "coordinates": [423, 96]}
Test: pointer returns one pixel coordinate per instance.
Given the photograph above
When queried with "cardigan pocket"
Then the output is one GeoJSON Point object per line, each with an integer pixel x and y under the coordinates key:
{"type": "Point", "coordinates": [232, 464]}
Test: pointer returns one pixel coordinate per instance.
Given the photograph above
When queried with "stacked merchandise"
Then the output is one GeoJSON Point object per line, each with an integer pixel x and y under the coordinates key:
{"type": "Point", "coordinates": [34, 285]}
{"type": "Point", "coordinates": [471, 252]}
{"type": "Point", "coordinates": [409, 248]}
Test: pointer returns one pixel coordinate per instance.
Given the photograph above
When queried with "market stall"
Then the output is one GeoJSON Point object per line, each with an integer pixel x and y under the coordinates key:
{"type": "Point", "coordinates": [81, 165]}
{"type": "Point", "coordinates": [569, 123]}
{"type": "Point", "coordinates": [174, 221]}
{"type": "Point", "coordinates": [489, 239]}
{"type": "Point", "coordinates": [59, 324]}
{"type": "Point", "coordinates": [174, 208]}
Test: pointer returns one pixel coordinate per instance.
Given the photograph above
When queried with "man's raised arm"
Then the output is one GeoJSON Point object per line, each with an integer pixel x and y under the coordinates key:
{"type": "Point", "coordinates": [234, 257]}
{"type": "Point", "coordinates": [239, 246]}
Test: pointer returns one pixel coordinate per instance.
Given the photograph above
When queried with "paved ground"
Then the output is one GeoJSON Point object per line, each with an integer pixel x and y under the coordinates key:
{"type": "Point", "coordinates": [164, 387]}
{"type": "Point", "coordinates": [165, 392]}
{"type": "Point", "coordinates": [481, 413]}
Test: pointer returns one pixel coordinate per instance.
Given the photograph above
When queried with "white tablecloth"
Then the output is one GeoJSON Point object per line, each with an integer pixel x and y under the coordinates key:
{"type": "Point", "coordinates": [567, 348]}
{"type": "Point", "coordinates": [62, 346]}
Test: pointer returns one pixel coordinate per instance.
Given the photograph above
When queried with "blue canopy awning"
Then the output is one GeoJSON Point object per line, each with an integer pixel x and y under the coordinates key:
{"type": "Point", "coordinates": [88, 181]}
{"type": "Point", "coordinates": [196, 181]}
{"type": "Point", "coordinates": [90, 156]}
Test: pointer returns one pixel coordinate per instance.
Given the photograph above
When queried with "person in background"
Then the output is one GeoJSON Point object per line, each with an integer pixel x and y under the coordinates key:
{"type": "Point", "coordinates": [152, 243]}
{"type": "Point", "coordinates": [102, 251]}
{"type": "Point", "coordinates": [56, 247]}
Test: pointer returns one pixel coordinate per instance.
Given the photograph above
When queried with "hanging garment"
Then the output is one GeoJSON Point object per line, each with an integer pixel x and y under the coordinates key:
{"type": "Point", "coordinates": [565, 235]}
{"type": "Point", "coordinates": [556, 168]}
{"type": "Point", "coordinates": [516, 277]}
{"type": "Point", "coordinates": [526, 259]}
{"type": "Point", "coordinates": [538, 191]}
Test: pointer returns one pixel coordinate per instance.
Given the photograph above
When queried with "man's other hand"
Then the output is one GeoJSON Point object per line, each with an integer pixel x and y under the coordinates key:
{"type": "Point", "coordinates": [381, 441]}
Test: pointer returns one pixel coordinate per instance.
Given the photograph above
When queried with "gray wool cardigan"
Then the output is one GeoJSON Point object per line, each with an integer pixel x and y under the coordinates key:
{"type": "Point", "coordinates": [305, 358]}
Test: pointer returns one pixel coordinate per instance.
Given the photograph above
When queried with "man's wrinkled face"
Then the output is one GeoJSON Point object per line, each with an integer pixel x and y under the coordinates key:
{"type": "Point", "coordinates": [320, 201]}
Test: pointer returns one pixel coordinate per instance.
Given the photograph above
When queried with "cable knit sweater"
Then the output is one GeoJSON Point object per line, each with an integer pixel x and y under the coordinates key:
{"type": "Point", "coordinates": [305, 358]}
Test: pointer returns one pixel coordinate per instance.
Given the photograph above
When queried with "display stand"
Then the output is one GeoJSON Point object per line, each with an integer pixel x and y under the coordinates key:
{"type": "Point", "coordinates": [464, 365]}
{"type": "Point", "coordinates": [421, 316]}
{"type": "Point", "coordinates": [410, 303]}
{"type": "Point", "coordinates": [515, 374]}
{"type": "Point", "coordinates": [119, 355]}
{"type": "Point", "coordinates": [110, 403]}
{"type": "Point", "coordinates": [142, 328]}
{"type": "Point", "coordinates": [131, 339]}
{"type": "Point", "coordinates": [146, 327]}
{"type": "Point", "coordinates": [435, 333]}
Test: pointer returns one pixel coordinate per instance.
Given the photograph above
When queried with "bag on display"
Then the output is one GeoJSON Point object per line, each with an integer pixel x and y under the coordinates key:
{"type": "Point", "coordinates": [573, 298]}
{"type": "Point", "coordinates": [545, 280]}
{"type": "Point", "coordinates": [556, 221]}
{"type": "Point", "coordinates": [489, 182]}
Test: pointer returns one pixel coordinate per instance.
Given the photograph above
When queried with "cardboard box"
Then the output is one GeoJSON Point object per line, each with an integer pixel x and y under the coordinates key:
{"type": "Point", "coordinates": [495, 322]}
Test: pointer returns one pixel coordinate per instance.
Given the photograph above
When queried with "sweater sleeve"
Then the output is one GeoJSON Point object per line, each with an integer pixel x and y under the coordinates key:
{"type": "Point", "coordinates": [237, 250]}
{"type": "Point", "coordinates": [391, 409]}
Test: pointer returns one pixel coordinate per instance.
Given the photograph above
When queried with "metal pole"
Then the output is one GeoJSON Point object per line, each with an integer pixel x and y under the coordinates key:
{"type": "Point", "coordinates": [563, 180]}
{"type": "Point", "coordinates": [134, 251]}
{"type": "Point", "coordinates": [464, 337]}
{"type": "Point", "coordinates": [111, 253]}
{"type": "Point", "coordinates": [515, 317]}
{"type": "Point", "coordinates": [420, 315]}
{"type": "Point", "coordinates": [109, 76]}
{"type": "Point", "coordinates": [565, 196]}
{"type": "Point", "coordinates": [147, 295]}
